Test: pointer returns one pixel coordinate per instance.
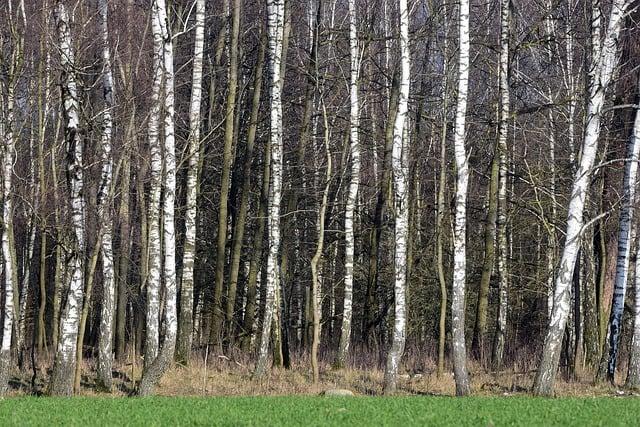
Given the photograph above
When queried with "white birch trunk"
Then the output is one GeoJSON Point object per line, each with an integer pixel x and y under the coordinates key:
{"type": "Point", "coordinates": [633, 374]}
{"type": "Point", "coordinates": [153, 372]}
{"type": "Point", "coordinates": [155, 188]}
{"type": "Point", "coordinates": [460, 226]}
{"type": "Point", "coordinates": [65, 358]}
{"type": "Point", "coordinates": [275, 27]}
{"type": "Point", "coordinates": [503, 130]}
{"type": "Point", "coordinates": [624, 247]}
{"type": "Point", "coordinates": [8, 260]}
{"type": "Point", "coordinates": [185, 333]}
{"type": "Point", "coordinates": [400, 170]}
{"type": "Point", "coordinates": [605, 64]}
{"type": "Point", "coordinates": [105, 216]}
{"type": "Point", "coordinates": [354, 183]}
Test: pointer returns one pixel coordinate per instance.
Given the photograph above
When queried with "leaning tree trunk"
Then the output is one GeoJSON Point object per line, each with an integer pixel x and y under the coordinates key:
{"type": "Point", "coordinates": [460, 227]}
{"type": "Point", "coordinates": [275, 26]}
{"type": "Point", "coordinates": [624, 248]}
{"type": "Point", "coordinates": [400, 170]}
{"type": "Point", "coordinates": [604, 66]}
{"type": "Point", "coordinates": [105, 217]}
{"type": "Point", "coordinates": [65, 359]}
{"type": "Point", "coordinates": [352, 196]}
{"type": "Point", "coordinates": [185, 325]}
{"type": "Point", "coordinates": [503, 130]}
{"type": "Point", "coordinates": [154, 371]}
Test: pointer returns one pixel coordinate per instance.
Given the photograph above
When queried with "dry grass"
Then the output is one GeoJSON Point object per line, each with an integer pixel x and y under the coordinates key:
{"type": "Point", "coordinates": [232, 376]}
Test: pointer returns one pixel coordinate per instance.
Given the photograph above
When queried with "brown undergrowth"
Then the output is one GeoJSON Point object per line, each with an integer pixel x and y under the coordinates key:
{"type": "Point", "coordinates": [231, 375]}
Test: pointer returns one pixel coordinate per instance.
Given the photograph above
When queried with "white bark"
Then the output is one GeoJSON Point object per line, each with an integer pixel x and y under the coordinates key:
{"type": "Point", "coordinates": [186, 291]}
{"type": "Point", "coordinates": [604, 66]}
{"type": "Point", "coordinates": [460, 226]}
{"type": "Point", "coordinates": [400, 169]}
{"type": "Point", "coordinates": [153, 372]}
{"type": "Point", "coordinates": [633, 374]}
{"type": "Point", "coordinates": [155, 171]}
{"type": "Point", "coordinates": [275, 27]}
{"type": "Point", "coordinates": [354, 183]}
{"type": "Point", "coordinates": [624, 248]}
{"type": "Point", "coordinates": [503, 130]}
{"type": "Point", "coordinates": [105, 216]}
{"type": "Point", "coordinates": [65, 358]}
{"type": "Point", "coordinates": [8, 260]}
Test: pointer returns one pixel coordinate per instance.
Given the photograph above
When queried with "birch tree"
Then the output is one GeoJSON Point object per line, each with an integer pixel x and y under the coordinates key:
{"type": "Point", "coordinates": [275, 30]}
{"type": "Point", "coordinates": [185, 332]}
{"type": "Point", "coordinates": [460, 225]}
{"type": "Point", "coordinates": [154, 371]}
{"type": "Point", "coordinates": [633, 373]}
{"type": "Point", "coordinates": [624, 249]}
{"type": "Point", "coordinates": [503, 130]}
{"type": "Point", "coordinates": [354, 183]}
{"type": "Point", "coordinates": [400, 169]}
{"type": "Point", "coordinates": [8, 136]}
{"type": "Point", "coordinates": [153, 280]}
{"type": "Point", "coordinates": [65, 359]}
{"type": "Point", "coordinates": [105, 217]}
{"type": "Point", "coordinates": [603, 66]}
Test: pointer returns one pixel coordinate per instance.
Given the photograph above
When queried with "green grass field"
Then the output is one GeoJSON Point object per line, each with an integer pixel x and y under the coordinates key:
{"type": "Point", "coordinates": [317, 411]}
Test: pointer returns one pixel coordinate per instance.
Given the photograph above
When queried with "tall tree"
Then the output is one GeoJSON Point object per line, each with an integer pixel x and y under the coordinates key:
{"type": "Point", "coordinates": [603, 67]}
{"type": "Point", "coordinates": [275, 31]}
{"type": "Point", "coordinates": [153, 371]}
{"type": "Point", "coordinates": [633, 374]}
{"type": "Point", "coordinates": [400, 168]}
{"type": "Point", "coordinates": [503, 130]}
{"type": "Point", "coordinates": [225, 181]}
{"type": "Point", "coordinates": [624, 250]}
{"type": "Point", "coordinates": [460, 227]}
{"type": "Point", "coordinates": [185, 325]}
{"type": "Point", "coordinates": [105, 359]}
{"type": "Point", "coordinates": [65, 359]}
{"type": "Point", "coordinates": [354, 183]}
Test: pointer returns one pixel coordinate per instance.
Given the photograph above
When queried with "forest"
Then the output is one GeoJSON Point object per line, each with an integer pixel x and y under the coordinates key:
{"type": "Point", "coordinates": [415, 191]}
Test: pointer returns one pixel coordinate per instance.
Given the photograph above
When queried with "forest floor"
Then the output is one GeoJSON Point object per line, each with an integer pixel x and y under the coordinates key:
{"type": "Point", "coordinates": [224, 376]}
{"type": "Point", "coordinates": [223, 392]}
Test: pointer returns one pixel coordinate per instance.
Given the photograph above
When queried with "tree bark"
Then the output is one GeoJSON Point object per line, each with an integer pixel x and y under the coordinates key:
{"type": "Point", "coordinates": [604, 65]}
{"type": "Point", "coordinates": [460, 228]}
{"type": "Point", "coordinates": [185, 324]}
{"type": "Point", "coordinates": [400, 168]}
{"type": "Point", "coordinates": [275, 27]}
{"type": "Point", "coordinates": [64, 364]}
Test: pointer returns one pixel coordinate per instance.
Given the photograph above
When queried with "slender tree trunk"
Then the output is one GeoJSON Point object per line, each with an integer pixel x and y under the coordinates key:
{"type": "Point", "coordinates": [105, 206]}
{"type": "Point", "coordinates": [503, 131]}
{"type": "Point", "coordinates": [633, 373]}
{"type": "Point", "coordinates": [8, 258]}
{"type": "Point", "coordinates": [185, 325]}
{"type": "Point", "coordinates": [604, 65]}
{"type": "Point", "coordinates": [154, 371]}
{"type": "Point", "coordinates": [354, 183]}
{"type": "Point", "coordinates": [225, 181]}
{"type": "Point", "coordinates": [400, 168]}
{"type": "Point", "coordinates": [624, 248]}
{"type": "Point", "coordinates": [275, 27]}
{"type": "Point", "coordinates": [317, 256]}
{"type": "Point", "coordinates": [460, 228]}
{"type": "Point", "coordinates": [64, 365]}
{"type": "Point", "coordinates": [153, 252]}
